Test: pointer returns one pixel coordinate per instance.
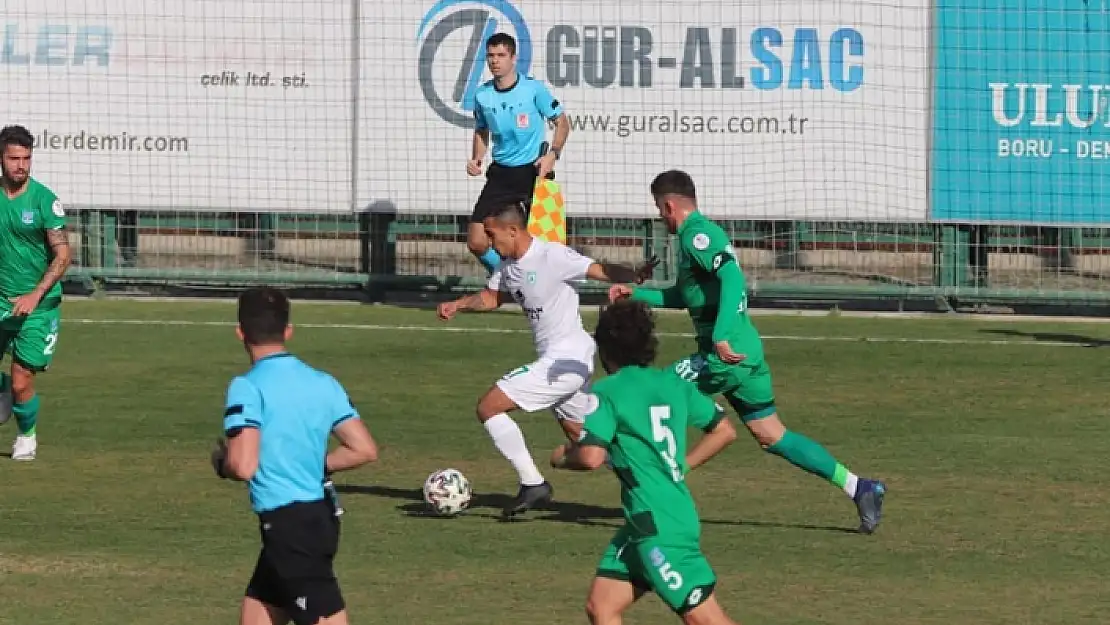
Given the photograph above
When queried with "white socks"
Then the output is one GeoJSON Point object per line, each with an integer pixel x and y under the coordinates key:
{"type": "Point", "coordinates": [850, 484]}
{"type": "Point", "coordinates": [509, 440]}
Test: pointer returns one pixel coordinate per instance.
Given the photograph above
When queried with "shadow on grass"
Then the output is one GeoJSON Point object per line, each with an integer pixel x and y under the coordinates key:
{"type": "Point", "coordinates": [481, 505]}
{"type": "Point", "coordinates": [1050, 337]}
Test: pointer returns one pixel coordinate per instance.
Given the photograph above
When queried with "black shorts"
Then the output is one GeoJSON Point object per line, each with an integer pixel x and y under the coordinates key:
{"type": "Point", "coordinates": [294, 570]}
{"type": "Point", "coordinates": [504, 186]}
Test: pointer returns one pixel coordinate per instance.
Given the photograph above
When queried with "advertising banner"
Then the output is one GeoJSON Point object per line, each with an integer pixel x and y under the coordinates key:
{"type": "Point", "coordinates": [234, 106]}
{"type": "Point", "coordinates": [1022, 121]}
{"type": "Point", "coordinates": [784, 110]}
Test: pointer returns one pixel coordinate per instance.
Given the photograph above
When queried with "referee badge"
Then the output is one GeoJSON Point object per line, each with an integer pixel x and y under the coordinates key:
{"type": "Point", "coordinates": [522, 120]}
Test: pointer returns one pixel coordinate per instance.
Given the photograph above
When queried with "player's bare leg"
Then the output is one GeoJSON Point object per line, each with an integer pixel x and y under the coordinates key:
{"type": "Point", "coordinates": [608, 600]}
{"type": "Point", "coordinates": [25, 408]}
{"type": "Point", "coordinates": [572, 429]}
{"type": "Point", "coordinates": [479, 245]}
{"type": "Point", "coordinates": [339, 618]}
{"type": "Point", "coordinates": [708, 613]}
{"type": "Point", "coordinates": [809, 456]}
{"type": "Point", "coordinates": [254, 612]}
{"type": "Point", "coordinates": [493, 411]}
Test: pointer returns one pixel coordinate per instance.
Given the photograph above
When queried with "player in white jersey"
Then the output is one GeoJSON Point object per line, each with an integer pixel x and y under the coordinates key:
{"type": "Point", "coordinates": [537, 275]}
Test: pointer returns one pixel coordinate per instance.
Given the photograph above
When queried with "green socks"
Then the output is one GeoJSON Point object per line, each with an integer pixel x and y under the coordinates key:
{"type": "Point", "coordinates": [810, 456]}
{"type": "Point", "coordinates": [26, 415]}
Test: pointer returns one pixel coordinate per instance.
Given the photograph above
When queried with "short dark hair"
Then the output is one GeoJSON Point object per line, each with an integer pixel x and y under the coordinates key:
{"type": "Point", "coordinates": [625, 334]}
{"type": "Point", "coordinates": [512, 213]}
{"type": "Point", "coordinates": [16, 135]}
{"type": "Point", "coordinates": [674, 182]}
{"type": "Point", "coordinates": [263, 315]}
{"type": "Point", "coordinates": [502, 39]}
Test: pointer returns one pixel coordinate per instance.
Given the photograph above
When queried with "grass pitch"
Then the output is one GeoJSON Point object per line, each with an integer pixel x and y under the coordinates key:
{"type": "Point", "coordinates": [991, 437]}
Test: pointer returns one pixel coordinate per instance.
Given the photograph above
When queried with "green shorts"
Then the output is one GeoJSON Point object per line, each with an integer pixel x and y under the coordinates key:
{"type": "Point", "coordinates": [675, 570]}
{"type": "Point", "coordinates": [746, 386]}
{"type": "Point", "coordinates": [30, 340]}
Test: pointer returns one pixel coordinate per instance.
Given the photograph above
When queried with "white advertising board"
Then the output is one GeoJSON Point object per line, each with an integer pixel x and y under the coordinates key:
{"type": "Point", "coordinates": [171, 104]}
{"type": "Point", "coordinates": [798, 109]}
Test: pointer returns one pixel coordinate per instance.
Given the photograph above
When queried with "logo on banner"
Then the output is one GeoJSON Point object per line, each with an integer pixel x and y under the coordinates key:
{"type": "Point", "coordinates": [471, 23]}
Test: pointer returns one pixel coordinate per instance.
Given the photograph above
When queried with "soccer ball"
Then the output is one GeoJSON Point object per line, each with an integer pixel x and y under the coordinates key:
{"type": "Point", "coordinates": [447, 492]}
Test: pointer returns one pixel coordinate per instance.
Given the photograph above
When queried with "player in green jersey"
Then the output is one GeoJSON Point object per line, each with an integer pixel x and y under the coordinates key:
{"type": "Point", "coordinates": [730, 359]}
{"type": "Point", "coordinates": [640, 423]}
{"type": "Point", "coordinates": [34, 255]}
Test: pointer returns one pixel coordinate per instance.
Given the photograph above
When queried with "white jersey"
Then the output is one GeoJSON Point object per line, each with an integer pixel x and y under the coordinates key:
{"type": "Point", "coordinates": [540, 282]}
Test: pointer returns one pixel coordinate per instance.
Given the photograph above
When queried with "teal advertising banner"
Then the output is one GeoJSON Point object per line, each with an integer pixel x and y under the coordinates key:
{"type": "Point", "coordinates": [1021, 128]}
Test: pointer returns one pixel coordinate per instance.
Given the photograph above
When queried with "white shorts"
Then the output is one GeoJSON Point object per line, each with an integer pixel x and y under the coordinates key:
{"type": "Point", "coordinates": [559, 383]}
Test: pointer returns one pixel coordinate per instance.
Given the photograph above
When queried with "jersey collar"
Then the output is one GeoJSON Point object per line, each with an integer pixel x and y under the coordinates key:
{"type": "Point", "coordinates": [692, 217]}
{"type": "Point", "coordinates": [510, 87]}
{"type": "Point", "coordinates": [533, 244]}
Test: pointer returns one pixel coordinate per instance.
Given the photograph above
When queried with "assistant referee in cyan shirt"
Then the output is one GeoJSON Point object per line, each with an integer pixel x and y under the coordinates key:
{"type": "Point", "coordinates": [511, 111]}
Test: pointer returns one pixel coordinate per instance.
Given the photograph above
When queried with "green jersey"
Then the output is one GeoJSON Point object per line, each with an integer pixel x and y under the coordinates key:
{"type": "Point", "coordinates": [641, 419]}
{"type": "Point", "coordinates": [711, 287]}
{"type": "Point", "coordinates": [24, 252]}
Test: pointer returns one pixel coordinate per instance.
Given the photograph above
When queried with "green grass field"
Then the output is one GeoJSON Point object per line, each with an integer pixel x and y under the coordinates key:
{"type": "Point", "coordinates": [991, 437]}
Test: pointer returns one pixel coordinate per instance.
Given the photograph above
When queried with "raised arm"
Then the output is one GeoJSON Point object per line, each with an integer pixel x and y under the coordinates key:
{"type": "Point", "coordinates": [670, 297]}
{"type": "Point", "coordinates": [616, 274]}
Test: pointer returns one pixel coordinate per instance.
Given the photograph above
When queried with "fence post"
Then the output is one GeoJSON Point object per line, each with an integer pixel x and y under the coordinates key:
{"type": "Point", "coordinates": [950, 254]}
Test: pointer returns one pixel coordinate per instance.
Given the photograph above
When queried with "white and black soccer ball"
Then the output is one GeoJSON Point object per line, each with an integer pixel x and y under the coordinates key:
{"type": "Point", "coordinates": [447, 492]}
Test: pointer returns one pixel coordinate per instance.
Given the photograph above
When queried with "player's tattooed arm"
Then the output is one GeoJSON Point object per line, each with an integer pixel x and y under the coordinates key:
{"type": "Point", "coordinates": [62, 256]}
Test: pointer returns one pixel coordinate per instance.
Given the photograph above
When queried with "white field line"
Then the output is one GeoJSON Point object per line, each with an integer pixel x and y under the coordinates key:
{"type": "Point", "coordinates": [464, 330]}
{"type": "Point", "coordinates": [755, 312]}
